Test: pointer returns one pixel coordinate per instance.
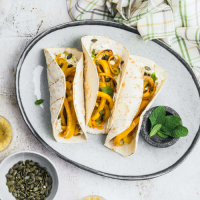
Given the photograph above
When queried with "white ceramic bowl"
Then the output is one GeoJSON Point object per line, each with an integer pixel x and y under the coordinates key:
{"type": "Point", "coordinates": [8, 162]}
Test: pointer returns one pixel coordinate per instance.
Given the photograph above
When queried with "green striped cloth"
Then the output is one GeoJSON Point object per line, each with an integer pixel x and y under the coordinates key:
{"type": "Point", "coordinates": [176, 22]}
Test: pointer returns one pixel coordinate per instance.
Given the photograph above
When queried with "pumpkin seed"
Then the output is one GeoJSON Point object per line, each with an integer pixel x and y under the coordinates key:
{"type": "Point", "coordinates": [94, 40]}
{"type": "Point", "coordinates": [69, 66]}
{"type": "Point", "coordinates": [106, 57]}
{"type": "Point", "coordinates": [11, 171]}
{"type": "Point", "coordinates": [147, 68]}
{"type": "Point", "coordinates": [27, 180]}
{"type": "Point", "coordinates": [11, 188]}
{"type": "Point", "coordinates": [69, 56]}
{"type": "Point", "coordinates": [8, 176]}
{"type": "Point", "coordinates": [9, 183]}
{"type": "Point", "coordinates": [108, 79]}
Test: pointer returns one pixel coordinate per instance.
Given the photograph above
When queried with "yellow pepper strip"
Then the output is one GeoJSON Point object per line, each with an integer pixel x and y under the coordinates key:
{"type": "Point", "coordinates": [108, 75]}
{"type": "Point", "coordinates": [70, 98]}
{"type": "Point", "coordinates": [150, 91]}
{"type": "Point", "coordinates": [96, 125]}
{"type": "Point", "coordinates": [90, 123]}
{"type": "Point", "coordinates": [73, 126]}
{"type": "Point", "coordinates": [64, 128]}
{"type": "Point", "coordinates": [76, 131]}
{"type": "Point", "coordinates": [61, 61]}
{"type": "Point", "coordinates": [106, 69]}
{"type": "Point", "coordinates": [107, 97]}
{"type": "Point", "coordinates": [68, 93]}
{"type": "Point", "coordinates": [128, 139]}
{"type": "Point", "coordinates": [68, 131]}
{"type": "Point", "coordinates": [63, 122]}
{"type": "Point", "coordinates": [116, 64]}
{"type": "Point", "coordinates": [122, 135]}
{"type": "Point", "coordinates": [57, 57]}
{"type": "Point", "coordinates": [69, 71]}
{"type": "Point", "coordinates": [115, 70]}
{"type": "Point", "coordinates": [102, 84]}
{"type": "Point", "coordinates": [68, 85]}
{"type": "Point", "coordinates": [96, 114]}
{"type": "Point", "coordinates": [106, 113]}
{"type": "Point", "coordinates": [142, 107]}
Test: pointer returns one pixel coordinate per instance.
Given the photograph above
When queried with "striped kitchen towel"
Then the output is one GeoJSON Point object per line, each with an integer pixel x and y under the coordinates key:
{"type": "Point", "coordinates": [176, 22]}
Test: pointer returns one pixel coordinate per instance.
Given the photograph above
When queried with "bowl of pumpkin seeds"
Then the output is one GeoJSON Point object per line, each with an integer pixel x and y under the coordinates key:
{"type": "Point", "coordinates": [29, 176]}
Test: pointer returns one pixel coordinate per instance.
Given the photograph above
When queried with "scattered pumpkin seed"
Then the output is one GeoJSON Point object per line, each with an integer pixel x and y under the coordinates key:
{"type": "Point", "coordinates": [69, 56]}
{"type": "Point", "coordinates": [108, 79]}
{"type": "Point", "coordinates": [69, 66]}
{"type": "Point", "coordinates": [27, 180]}
{"type": "Point", "coordinates": [94, 40]}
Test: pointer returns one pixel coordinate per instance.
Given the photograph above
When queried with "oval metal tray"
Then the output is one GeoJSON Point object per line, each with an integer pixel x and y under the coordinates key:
{"type": "Point", "coordinates": [181, 92]}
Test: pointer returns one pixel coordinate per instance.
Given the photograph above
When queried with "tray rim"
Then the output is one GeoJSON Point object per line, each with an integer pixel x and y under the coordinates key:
{"type": "Point", "coordinates": [101, 173]}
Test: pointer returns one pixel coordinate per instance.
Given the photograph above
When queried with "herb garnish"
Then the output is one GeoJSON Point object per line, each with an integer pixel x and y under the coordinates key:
{"type": "Point", "coordinates": [101, 112]}
{"type": "Point", "coordinates": [98, 121]}
{"type": "Point", "coordinates": [93, 56]}
{"type": "Point", "coordinates": [108, 90]}
{"type": "Point", "coordinates": [166, 126]}
{"type": "Point", "coordinates": [38, 102]}
{"type": "Point", "coordinates": [153, 76]}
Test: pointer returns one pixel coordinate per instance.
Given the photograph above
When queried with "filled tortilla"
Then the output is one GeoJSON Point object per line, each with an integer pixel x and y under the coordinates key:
{"type": "Point", "coordinates": [105, 67]}
{"type": "Point", "coordinates": [65, 79]}
{"type": "Point", "coordinates": [144, 80]}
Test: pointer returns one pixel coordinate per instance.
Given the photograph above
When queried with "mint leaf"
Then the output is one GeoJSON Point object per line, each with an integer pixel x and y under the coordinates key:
{"type": "Point", "coordinates": [108, 90]}
{"type": "Point", "coordinates": [158, 116]}
{"type": "Point", "coordinates": [171, 122]}
{"type": "Point", "coordinates": [153, 76]}
{"type": "Point", "coordinates": [98, 121]}
{"type": "Point", "coordinates": [162, 134]}
{"type": "Point", "coordinates": [179, 131]}
{"type": "Point", "coordinates": [38, 102]}
{"type": "Point", "coordinates": [155, 129]}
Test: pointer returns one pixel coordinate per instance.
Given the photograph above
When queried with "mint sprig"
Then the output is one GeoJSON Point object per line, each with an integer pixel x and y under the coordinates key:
{"type": "Point", "coordinates": [108, 90]}
{"type": "Point", "coordinates": [166, 126]}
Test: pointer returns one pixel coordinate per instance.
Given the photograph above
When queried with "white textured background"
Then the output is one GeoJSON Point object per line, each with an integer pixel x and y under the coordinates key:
{"type": "Point", "coordinates": [20, 20]}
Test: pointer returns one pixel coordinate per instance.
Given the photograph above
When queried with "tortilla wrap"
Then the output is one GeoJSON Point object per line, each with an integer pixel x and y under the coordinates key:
{"type": "Point", "coordinates": [134, 79]}
{"type": "Point", "coordinates": [91, 83]}
{"type": "Point", "coordinates": [57, 89]}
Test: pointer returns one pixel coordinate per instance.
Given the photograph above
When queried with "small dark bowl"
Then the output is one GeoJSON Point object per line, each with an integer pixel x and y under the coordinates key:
{"type": "Point", "coordinates": [156, 140]}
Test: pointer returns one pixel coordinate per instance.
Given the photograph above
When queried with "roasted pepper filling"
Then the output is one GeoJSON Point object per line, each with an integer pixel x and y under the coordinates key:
{"type": "Point", "coordinates": [68, 118]}
{"type": "Point", "coordinates": [149, 89]}
{"type": "Point", "coordinates": [108, 68]}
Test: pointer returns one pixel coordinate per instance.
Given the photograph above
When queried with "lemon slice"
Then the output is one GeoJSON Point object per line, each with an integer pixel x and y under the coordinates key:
{"type": "Point", "coordinates": [5, 133]}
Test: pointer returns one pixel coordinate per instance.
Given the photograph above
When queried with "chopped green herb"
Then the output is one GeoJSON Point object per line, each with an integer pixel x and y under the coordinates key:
{"type": "Point", "coordinates": [97, 62]}
{"type": "Point", "coordinates": [166, 126]}
{"type": "Point", "coordinates": [93, 56]}
{"type": "Point", "coordinates": [105, 57]}
{"type": "Point", "coordinates": [98, 121]}
{"type": "Point", "coordinates": [38, 102]}
{"type": "Point", "coordinates": [157, 116]}
{"type": "Point", "coordinates": [162, 134]}
{"type": "Point", "coordinates": [153, 76]}
{"type": "Point", "coordinates": [155, 129]}
{"type": "Point", "coordinates": [108, 90]}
